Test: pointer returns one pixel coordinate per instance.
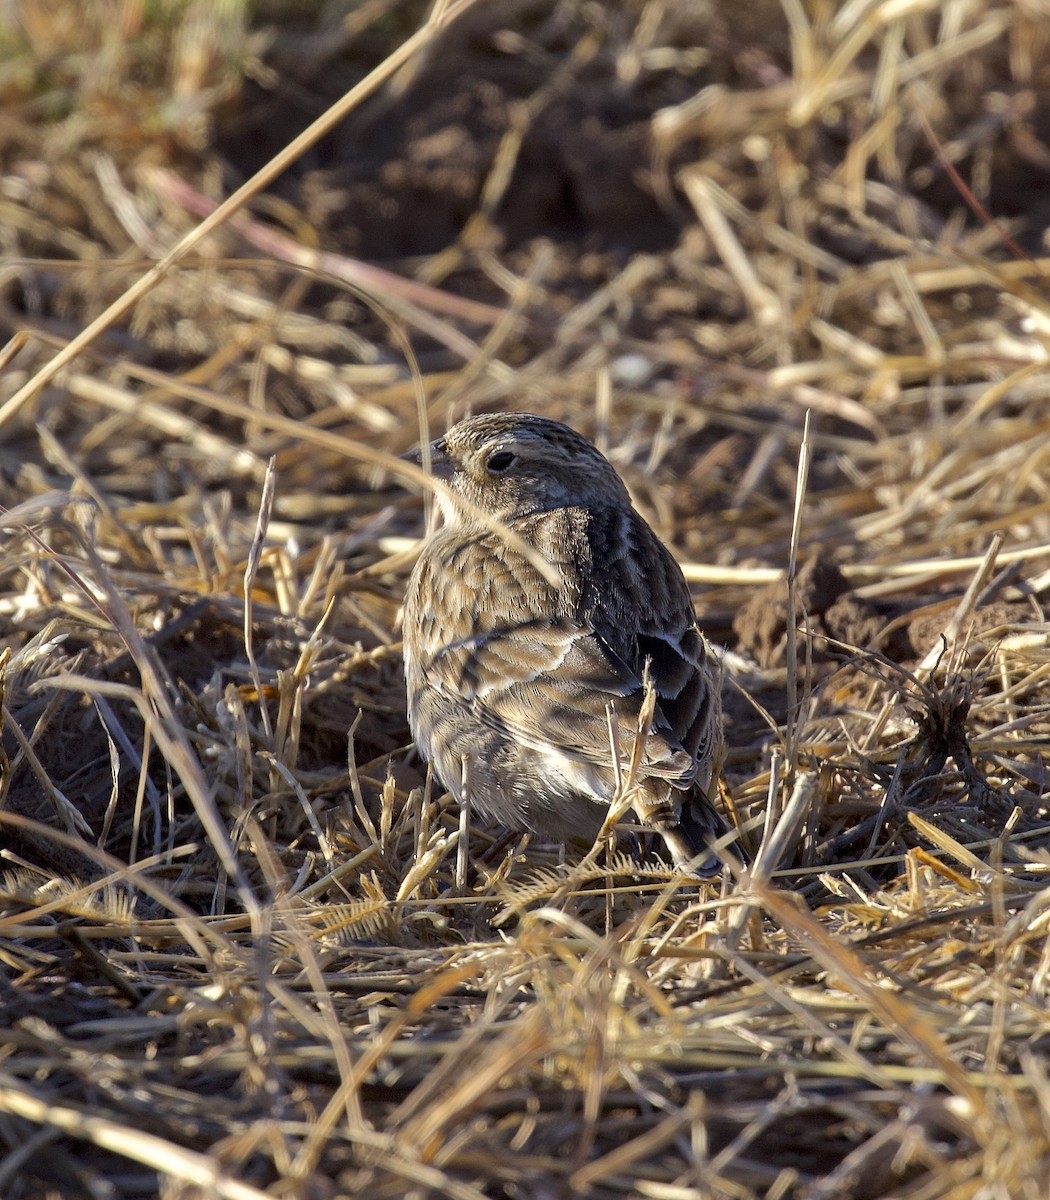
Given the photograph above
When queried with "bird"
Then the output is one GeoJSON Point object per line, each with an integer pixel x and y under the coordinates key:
{"type": "Point", "coordinates": [550, 643]}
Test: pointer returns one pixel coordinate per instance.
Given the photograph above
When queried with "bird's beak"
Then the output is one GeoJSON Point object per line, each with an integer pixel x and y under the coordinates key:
{"type": "Point", "coordinates": [440, 463]}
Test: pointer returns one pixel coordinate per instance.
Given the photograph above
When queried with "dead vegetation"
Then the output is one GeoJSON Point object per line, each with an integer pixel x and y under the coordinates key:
{"type": "Point", "coordinates": [246, 947]}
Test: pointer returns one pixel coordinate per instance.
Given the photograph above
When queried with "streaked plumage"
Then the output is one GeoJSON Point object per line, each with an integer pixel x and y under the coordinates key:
{"type": "Point", "coordinates": [518, 674]}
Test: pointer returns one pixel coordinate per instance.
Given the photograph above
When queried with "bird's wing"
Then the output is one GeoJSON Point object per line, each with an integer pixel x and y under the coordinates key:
{"type": "Point", "coordinates": [547, 664]}
{"type": "Point", "coordinates": [643, 607]}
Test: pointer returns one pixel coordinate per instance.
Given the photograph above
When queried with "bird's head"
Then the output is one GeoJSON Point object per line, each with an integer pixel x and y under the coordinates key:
{"type": "Point", "coordinates": [510, 465]}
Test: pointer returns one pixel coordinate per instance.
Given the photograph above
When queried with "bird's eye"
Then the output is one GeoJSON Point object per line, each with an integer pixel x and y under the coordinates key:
{"type": "Point", "coordinates": [500, 461]}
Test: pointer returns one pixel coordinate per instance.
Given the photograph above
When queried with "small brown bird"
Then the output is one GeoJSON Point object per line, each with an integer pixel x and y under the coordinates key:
{"type": "Point", "coordinates": [519, 676]}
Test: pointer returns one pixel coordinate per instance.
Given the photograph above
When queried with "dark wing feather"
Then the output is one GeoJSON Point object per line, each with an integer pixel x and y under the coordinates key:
{"type": "Point", "coordinates": [643, 605]}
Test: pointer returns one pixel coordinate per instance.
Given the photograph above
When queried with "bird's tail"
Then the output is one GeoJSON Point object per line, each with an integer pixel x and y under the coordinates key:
{"type": "Point", "coordinates": [688, 823]}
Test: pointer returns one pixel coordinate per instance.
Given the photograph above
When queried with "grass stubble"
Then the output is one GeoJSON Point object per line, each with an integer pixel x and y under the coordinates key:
{"type": "Point", "coordinates": [247, 948]}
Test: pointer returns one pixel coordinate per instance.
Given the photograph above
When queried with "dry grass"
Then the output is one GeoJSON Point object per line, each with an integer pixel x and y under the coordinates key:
{"type": "Point", "coordinates": [246, 947]}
